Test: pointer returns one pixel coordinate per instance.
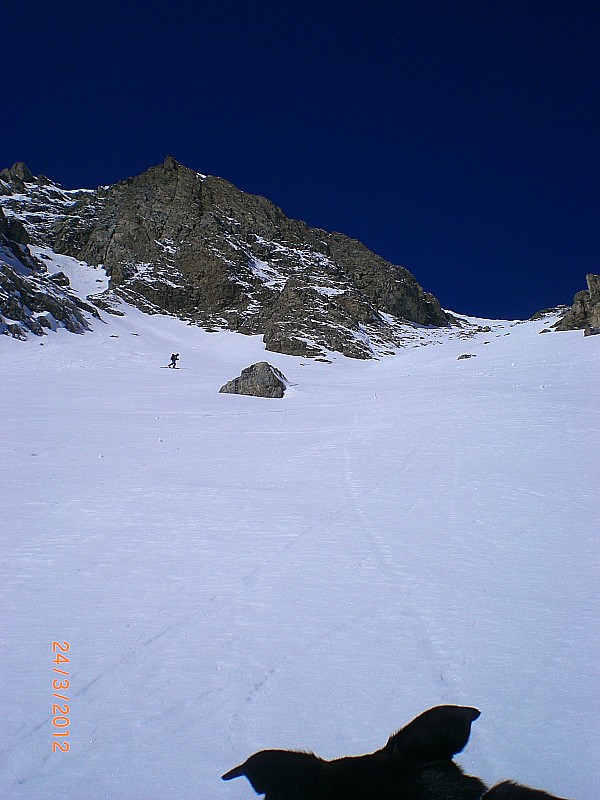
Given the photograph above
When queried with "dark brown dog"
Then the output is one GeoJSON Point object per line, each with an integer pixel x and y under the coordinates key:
{"type": "Point", "coordinates": [415, 764]}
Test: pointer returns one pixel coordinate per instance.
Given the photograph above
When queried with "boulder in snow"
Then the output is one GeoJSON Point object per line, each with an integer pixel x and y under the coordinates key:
{"type": "Point", "coordinates": [259, 380]}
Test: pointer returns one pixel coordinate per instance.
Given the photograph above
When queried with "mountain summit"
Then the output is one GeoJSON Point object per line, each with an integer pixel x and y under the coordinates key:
{"type": "Point", "coordinates": [175, 241]}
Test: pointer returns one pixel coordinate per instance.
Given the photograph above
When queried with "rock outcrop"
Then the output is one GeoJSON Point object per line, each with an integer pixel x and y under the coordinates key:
{"type": "Point", "coordinates": [31, 299]}
{"type": "Point", "coordinates": [258, 380]}
{"type": "Point", "coordinates": [18, 176]}
{"type": "Point", "coordinates": [585, 311]}
{"type": "Point", "coordinates": [175, 241]}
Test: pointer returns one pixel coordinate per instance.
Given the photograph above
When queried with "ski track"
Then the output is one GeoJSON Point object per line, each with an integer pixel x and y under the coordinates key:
{"type": "Point", "coordinates": [422, 628]}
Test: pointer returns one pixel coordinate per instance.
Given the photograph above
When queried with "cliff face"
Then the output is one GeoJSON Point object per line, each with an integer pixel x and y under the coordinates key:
{"type": "Point", "coordinates": [175, 241]}
{"type": "Point", "coordinates": [32, 300]}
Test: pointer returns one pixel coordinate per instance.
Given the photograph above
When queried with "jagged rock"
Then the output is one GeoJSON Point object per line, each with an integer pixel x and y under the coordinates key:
{"type": "Point", "coordinates": [302, 322]}
{"type": "Point", "coordinates": [30, 302]}
{"type": "Point", "coordinates": [60, 279]}
{"type": "Point", "coordinates": [20, 174]}
{"type": "Point", "coordinates": [14, 230]}
{"type": "Point", "coordinates": [549, 312]}
{"type": "Point", "coordinates": [585, 311]}
{"type": "Point", "coordinates": [108, 302]}
{"type": "Point", "coordinates": [17, 175]}
{"type": "Point", "coordinates": [258, 380]}
{"type": "Point", "coordinates": [593, 282]}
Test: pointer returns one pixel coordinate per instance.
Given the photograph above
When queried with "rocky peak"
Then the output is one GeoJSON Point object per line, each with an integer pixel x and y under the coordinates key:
{"type": "Point", "coordinates": [18, 176]}
{"type": "Point", "coordinates": [170, 163]}
{"type": "Point", "coordinates": [175, 241]}
{"type": "Point", "coordinates": [18, 172]}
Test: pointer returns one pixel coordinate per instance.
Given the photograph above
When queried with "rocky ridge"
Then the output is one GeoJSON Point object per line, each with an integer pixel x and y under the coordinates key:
{"type": "Point", "coordinates": [178, 242]}
{"type": "Point", "coordinates": [175, 241]}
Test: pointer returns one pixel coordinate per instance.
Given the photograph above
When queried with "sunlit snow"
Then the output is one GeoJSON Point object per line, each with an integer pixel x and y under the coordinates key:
{"type": "Point", "coordinates": [234, 573]}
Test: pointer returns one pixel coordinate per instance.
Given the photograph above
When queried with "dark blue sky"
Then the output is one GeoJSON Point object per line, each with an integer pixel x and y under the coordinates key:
{"type": "Point", "coordinates": [459, 139]}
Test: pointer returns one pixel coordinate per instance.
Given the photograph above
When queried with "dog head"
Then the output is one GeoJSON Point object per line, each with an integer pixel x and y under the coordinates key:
{"type": "Point", "coordinates": [281, 774]}
{"type": "Point", "coordinates": [435, 735]}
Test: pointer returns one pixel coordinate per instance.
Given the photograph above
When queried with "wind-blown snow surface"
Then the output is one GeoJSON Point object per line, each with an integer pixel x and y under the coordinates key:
{"type": "Point", "coordinates": [234, 573]}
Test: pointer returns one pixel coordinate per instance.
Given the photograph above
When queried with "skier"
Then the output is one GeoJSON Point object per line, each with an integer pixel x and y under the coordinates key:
{"type": "Point", "coordinates": [174, 360]}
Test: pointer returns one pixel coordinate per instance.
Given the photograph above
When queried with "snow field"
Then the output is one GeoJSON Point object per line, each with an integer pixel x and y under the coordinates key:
{"type": "Point", "coordinates": [235, 573]}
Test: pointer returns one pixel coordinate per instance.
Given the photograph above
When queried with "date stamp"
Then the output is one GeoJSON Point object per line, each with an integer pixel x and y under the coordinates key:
{"type": "Point", "coordinates": [61, 719]}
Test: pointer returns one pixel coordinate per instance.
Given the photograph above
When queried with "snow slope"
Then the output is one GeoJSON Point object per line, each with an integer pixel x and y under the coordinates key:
{"type": "Point", "coordinates": [234, 573]}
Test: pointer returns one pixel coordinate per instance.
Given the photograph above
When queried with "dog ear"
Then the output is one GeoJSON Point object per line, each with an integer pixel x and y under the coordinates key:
{"type": "Point", "coordinates": [507, 790]}
{"type": "Point", "coordinates": [279, 774]}
{"type": "Point", "coordinates": [435, 735]}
